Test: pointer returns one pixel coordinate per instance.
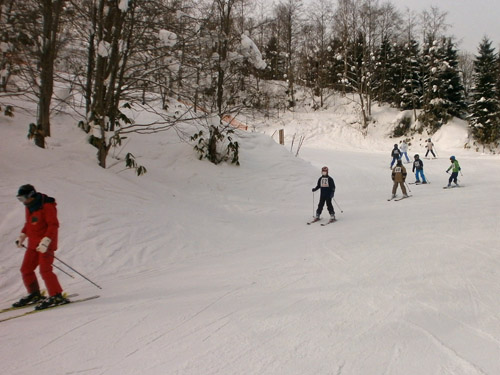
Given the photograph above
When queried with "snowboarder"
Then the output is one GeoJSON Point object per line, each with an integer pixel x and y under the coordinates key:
{"type": "Point", "coordinates": [455, 168]}
{"type": "Point", "coordinates": [399, 177]}
{"type": "Point", "coordinates": [404, 151]}
{"type": "Point", "coordinates": [41, 229]}
{"type": "Point", "coordinates": [395, 155]}
{"type": "Point", "coordinates": [327, 186]}
{"type": "Point", "coordinates": [430, 148]}
{"type": "Point", "coordinates": [418, 166]}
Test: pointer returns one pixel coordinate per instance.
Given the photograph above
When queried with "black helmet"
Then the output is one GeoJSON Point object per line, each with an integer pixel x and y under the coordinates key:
{"type": "Point", "coordinates": [416, 156]}
{"type": "Point", "coordinates": [26, 191]}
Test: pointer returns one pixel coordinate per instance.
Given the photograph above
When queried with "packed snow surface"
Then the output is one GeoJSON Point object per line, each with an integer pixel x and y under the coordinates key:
{"type": "Point", "coordinates": [212, 269]}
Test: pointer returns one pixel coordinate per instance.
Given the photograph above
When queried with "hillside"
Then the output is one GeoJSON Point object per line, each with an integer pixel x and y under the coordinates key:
{"type": "Point", "coordinates": [211, 269]}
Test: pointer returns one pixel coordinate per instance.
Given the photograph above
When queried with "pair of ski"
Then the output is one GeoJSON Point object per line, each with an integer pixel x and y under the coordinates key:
{"type": "Point", "coordinates": [30, 312]}
{"type": "Point", "coordinates": [398, 199]}
{"type": "Point", "coordinates": [322, 224]}
{"type": "Point", "coordinates": [419, 183]}
{"type": "Point", "coordinates": [453, 187]}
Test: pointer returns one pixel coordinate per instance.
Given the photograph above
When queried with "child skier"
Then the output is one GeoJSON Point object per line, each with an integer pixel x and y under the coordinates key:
{"type": "Point", "coordinates": [395, 155]}
{"type": "Point", "coordinates": [327, 186]}
{"type": "Point", "coordinates": [404, 151]}
{"type": "Point", "coordinates": [430, 148]}
{"type": "Point", "coordinates": [455, 168]}
{"type": "Point", "coordinates": [418, 166]}
{"type": "Point", "coordinates": [399, 177]}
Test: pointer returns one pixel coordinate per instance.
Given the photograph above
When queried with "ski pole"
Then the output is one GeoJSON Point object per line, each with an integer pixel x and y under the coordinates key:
{"type": "Point", "coordinates": [313, 203]}
{"type": "Point", "coordinates": [341, 211]}
{"type": "Point", "coordinates": [60, 269]}
{"type": "Point", "coordinates": [408, 186]}
{"type": "Point", "coordinates": [71, 268]}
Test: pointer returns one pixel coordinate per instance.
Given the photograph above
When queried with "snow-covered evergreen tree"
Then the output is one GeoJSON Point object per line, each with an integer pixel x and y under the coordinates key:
{"type": "Point", "coordinates": [484, 119]}
{"type": "Point", "coordinates": [387, 77]}
{"type": "Point", "coordinates": [453, 86]}
{"type": "Point", "coordinates": [411, 91]}
{"type": "Point", "coordinates": [443, 95]}
{"type": "Point", "coordinates": [434, 113]}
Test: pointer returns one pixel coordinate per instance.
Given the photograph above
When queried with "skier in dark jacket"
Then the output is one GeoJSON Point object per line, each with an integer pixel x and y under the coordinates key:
{"type": "Point", "coordinates": [395, 154]}
{"type": "Point", "coordinates": [41, 229]}
{"type": "Point", "coordinates": [327, 186]}
{"type": "Point", "coordinates": [418, 165]}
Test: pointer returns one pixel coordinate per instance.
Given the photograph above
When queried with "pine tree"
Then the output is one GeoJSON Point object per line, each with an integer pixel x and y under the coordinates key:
{"type": "Point", "coordinates": [434, 113]}
{"type": "Point", "coordinates": [484, 119]}
{"type": "Point", "coordinates": [498, 76]}
{"type": "Point", "coordinates": [387, 77]}
{"type": "Point", "coordinates": [274, 59]}
{"type": "Point", "coordinates": [454, 91]}
{"type": "Point", "coordinates": [411, 92]}
{"type": "Point", "coordinates": [444, 95]}
{"type": "Point", "coordinates": [335, 65]}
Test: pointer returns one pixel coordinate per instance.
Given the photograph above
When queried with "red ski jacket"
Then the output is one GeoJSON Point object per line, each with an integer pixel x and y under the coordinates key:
{"type": "Point", "coordinates": [41, 221]}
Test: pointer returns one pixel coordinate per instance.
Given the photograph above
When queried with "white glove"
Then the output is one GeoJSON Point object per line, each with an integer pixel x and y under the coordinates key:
{"type": "Point", "coordinates": [43, 245]}
{"type": "Point", "coordinates": [20, 240]}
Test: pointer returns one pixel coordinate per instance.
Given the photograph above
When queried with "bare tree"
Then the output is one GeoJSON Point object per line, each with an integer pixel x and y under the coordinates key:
{"type": "Point", "coordinates": [466, 69]}
{"type": "Point", "coordinates": [346, 20]}
{"type": "Point", "coordinates": [40, 22]}
{"type": "Point", "coordinates": [51, 13]}
{"type": "Point", "coordinates": [317, 41]}
{"type": "Point", "coordinates": [289, 15]}
{"type": "Point", "coordinates": [434, 24]}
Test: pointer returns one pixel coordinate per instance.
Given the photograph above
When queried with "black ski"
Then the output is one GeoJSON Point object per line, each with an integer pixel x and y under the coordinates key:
{"type": "Point", "coordinates": [49, 308]}
{"type": "Point", "coordinates": [313, 221]}
{"type": "Point", "coordinates": [453, 187]}
{"type": "Point", "coordinates": [12, 308]}
{"type": "Point", "coordinates": [329, 222]}
{"type": "Point", "coordinates": [408, 196]}
{"type": "Point", "coordinates": [419, 183]}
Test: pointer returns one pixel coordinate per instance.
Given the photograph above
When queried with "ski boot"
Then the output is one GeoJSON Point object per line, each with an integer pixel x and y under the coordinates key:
{"type": "Point", "coordinates": [55, 300]}
{"type": "Point", "coordinates": [30, 299]}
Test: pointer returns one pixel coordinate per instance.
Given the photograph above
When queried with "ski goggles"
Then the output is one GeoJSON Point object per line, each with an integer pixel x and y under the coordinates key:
{"type": "Point", "coordinates": [22, 198]}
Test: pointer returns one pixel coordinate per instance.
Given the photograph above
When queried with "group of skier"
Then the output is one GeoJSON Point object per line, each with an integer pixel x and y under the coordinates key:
{"type": "Point", "coordinates": [399, 171]}
{"type": "Point", "coordinates": [398, 175]}
{"type": "Point", "coordinates": [398, 152]}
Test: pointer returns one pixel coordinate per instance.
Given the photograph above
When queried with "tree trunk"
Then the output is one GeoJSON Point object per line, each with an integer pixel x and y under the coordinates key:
{"type": "Point", "coordinates": [51, 12]}
{"type": "Point", "coordinates": [90, 63]}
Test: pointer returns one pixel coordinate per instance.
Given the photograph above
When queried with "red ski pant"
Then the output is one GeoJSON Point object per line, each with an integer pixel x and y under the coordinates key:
{"type": "Point", "coordinates": [33, 259]}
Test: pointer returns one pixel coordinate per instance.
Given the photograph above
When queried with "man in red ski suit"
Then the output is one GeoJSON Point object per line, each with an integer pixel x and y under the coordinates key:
{"type": "Point", "coordinates": [41, 229]}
